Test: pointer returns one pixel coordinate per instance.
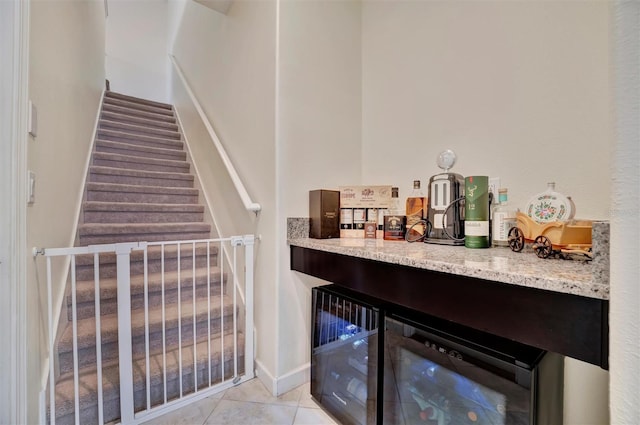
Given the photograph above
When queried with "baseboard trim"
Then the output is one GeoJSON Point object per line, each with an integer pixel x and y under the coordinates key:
{"type": "Point", "coordinates": [265, 377]}
{"type": "Point", "coordinates": [293, 379]}
{"type": "Point", "coordinates": [284, 383]}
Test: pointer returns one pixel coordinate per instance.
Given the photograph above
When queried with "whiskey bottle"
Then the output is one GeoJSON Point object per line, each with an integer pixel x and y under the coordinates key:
{"type": "Point", "coordinates": [415, 210]}
{"type": "Point", "coordinates": [476, 210]}
{"type": "Point", "coordinates": [395, 220]}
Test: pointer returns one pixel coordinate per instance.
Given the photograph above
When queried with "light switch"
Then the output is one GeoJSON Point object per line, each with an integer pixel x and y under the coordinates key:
{"type": "Point", "coordinates": [31, 190]}
{"type": "Point", "coordinates": [33, 119]}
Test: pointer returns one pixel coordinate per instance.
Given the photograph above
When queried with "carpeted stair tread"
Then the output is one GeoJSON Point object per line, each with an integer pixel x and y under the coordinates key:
{"type": "Point", "coordinates": [138, 113]}
{"type": "Point", "coordinates": [102, 174]}
{"type": "Point", "coordinates": [125, 118]}
{"type": "Point", "coordinates": [138, 207]}
{"type": "Point", "coordinates": [140, 163]}
{"type": "Point", "coordinates": [88, 382]}
{"type": "Point", "coordinates": [155, 255]}
{"type": "Point", "coordinates": [154, 252]}
{"type": "Point", "coordinates": [113, 192]}
{"type": "Point", "coordinates": [85, 289]}
{"type": "Point", "coordinates": [139, 129]}
{"type": "Point", "coordinates": [140, 230]}
{"type": "Point", "coordinates": [156, 142]}
{"type": "Point", "coordinates": [140, 217]}
{"type": "Point", "coordinates": [125, 188]}
{"type": "Point", "coordinates": [139, 106]}
{"type": "Point", "coordinates": [109, 323]}
{"type": "Point", "coordinates": [124, 148]}
{"type": "Point", "coordinates": [94, 234]}
{"type": "Point", "coordinates": [121, 96]}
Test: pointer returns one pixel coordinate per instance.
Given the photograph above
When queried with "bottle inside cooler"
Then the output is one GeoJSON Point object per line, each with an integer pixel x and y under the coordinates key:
{"type": "Point", "coordinates": [343, 366]}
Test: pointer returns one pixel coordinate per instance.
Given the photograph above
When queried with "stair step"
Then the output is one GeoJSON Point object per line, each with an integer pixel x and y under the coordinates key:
{"type": "Point", "coordinates": [118, 117]}
{"type": "Point", "coordinates": [138, 106]}
{"type": "Point", "coordinates": [178, 325]}
{"type": "Point", "coordinates": [139, 150]}
{"type": "Point", "coordinates": [140, 176]}
{"type": "Point", "coordinates": [96, 233]}
{"type": "Point", "coordinates": [115, 160]}
{"type": "Point", "coordinates": [116, 95]}
{"type": "Point", "coordinates": [85, 290]}
{"type": "Point", "coordinates": [122, 212]}
{"type": "Point", "coordinates": [139, 129]}
{"type": "Point", "coordinates": [138, 113]}
{"type": "Point", "coordinates": [110, 192]}
{"type": "Point", "coordinates": [137, 139]}
{"type": "Point", "coordinates": [88, 380]}
{"type": "Point", "coordinates": [140, 188]}
{"type": "Point", "coordinates": [155, 256]}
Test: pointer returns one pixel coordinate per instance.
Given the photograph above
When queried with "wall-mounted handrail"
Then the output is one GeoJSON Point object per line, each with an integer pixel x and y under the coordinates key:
{"type": "Point", "coordinates": [242, 191]}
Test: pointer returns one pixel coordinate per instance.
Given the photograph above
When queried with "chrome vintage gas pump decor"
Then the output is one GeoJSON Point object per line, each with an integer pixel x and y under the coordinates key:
{"type": "Point", "coordinates": [446, 209]}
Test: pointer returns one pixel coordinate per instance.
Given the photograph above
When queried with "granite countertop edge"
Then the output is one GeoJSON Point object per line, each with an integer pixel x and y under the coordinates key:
{"type": "Point", "coordinates": [493, 264]}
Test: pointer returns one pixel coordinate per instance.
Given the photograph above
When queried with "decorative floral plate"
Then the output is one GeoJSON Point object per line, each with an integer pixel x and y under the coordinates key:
{"type": "Point", "coordinates": [550, 206]}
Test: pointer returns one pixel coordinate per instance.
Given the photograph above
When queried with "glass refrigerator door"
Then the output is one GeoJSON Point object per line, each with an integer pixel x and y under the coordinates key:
{"type": "Point", "coordinates": [344, 357]}
{"type": "Point", "coordinates": [431, 381]}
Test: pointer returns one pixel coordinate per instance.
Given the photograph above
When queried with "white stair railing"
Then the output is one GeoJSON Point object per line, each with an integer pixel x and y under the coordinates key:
{"type": "Point", "coordinates": [197, 371]}
{"type": "Point", "coordinates": [237, 182]}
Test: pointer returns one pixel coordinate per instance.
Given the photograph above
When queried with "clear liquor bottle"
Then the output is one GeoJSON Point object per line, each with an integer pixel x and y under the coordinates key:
{"type": "Point", "coordinates": [503, 218]}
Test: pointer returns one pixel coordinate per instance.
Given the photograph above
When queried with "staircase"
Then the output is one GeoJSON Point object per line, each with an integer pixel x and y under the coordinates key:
{"type": "Point", "coordinates": [140, 188]}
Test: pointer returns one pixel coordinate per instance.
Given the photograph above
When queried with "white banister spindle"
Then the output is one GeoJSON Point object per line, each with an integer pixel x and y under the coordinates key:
{"type": "Point", "coordinates": [74, 314]}
{"type": "Point", "coordinates": [209, 309]}
{"type": "Point", "coordinates": [179, 321]}
{"type": "Point", "coordinates": [52, 337]}
{"type": "Point", "coordinates": [249, 241]}
{"type": "Point", "coordinates": [195, 316]}
{"type": "Point", "coordinates": [145, 261]}
{"type": "Point", "coordinates": [123, 254]}
{"type": "Point", "coordinates": [96, 280]}
{"type": "Point", "coordinates": [164, 330]}
{"type": "Point", "coordinates": [233, 305]}
{"type": "Point", "coordinates": [221, 254]}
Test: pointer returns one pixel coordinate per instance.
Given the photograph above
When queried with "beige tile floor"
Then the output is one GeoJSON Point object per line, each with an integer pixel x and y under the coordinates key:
{"type": "Point", "coordinates": [250, 404]}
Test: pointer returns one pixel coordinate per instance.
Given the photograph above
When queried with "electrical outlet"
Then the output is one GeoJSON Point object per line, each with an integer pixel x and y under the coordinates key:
{"type": "Point", "coordinates": [31, 189]}
{"type": "Point", "coordinates": [494, 185]}
{"type": "Point", "coordinates": [33, 120]}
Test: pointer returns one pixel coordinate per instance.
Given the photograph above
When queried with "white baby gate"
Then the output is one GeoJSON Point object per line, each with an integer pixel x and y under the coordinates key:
{"type": "Point", "coordinates": [194, 354]}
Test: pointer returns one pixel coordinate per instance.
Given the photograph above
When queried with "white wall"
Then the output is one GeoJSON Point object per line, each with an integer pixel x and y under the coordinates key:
{"type": "Point", "coordinates": [624, 319]}
{"type": "Point", "coordinates": [65, 83]}
{"type": "Point", "coordinates": [137, 46]}
{"type": "Point", "coordinates": [520, 90]}
{"type": "Point", "coordinates": [229, 60]}
{"type": "Point", "coordinates": [318, 144]}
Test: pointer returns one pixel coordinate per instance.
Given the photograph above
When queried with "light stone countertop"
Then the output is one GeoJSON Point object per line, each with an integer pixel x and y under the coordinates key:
{"type": "Point", "coordinates": [496, 264]}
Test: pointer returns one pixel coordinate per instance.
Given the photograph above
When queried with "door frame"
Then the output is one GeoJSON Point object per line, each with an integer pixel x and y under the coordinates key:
{"type": "Point", "coordinates": [14, 78]}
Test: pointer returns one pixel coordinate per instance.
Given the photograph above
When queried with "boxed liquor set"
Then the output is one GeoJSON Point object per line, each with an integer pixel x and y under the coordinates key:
{"type": "Point", "coordinates": [362, 210]}
{"type": "Point", "coordinates": [351, 212]}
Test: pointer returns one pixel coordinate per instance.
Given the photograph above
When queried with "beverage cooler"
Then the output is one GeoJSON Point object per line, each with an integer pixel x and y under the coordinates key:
{"type": "Point", "coordinates": [373, 363]}
{"type": "Point", "coordinates": [344, 366]}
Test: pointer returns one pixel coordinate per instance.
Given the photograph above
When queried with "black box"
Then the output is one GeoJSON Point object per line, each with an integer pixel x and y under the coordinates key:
{"type": "Point", "coordinates": [324, 214]}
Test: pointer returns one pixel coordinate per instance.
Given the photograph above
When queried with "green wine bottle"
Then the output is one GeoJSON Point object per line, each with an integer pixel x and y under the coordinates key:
{"type": "Point", "coordinates": [476, 209]}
